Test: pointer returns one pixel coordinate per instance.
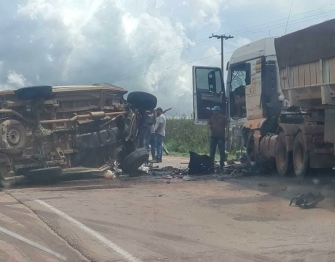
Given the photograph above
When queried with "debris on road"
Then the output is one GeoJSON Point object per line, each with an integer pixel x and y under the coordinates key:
{"type": "Point", "coordinates": [189, 178]}
{"type": "Point", "coordinates": [307, 201]}
{"type": "Point", "coordinates": [144, 169]}
{"type": "Point", "coordinates": [109, 174]}
{"type": "Point", "coordinates": [200, 164]}
{"type": "Point", "coordinates": [263, 184]}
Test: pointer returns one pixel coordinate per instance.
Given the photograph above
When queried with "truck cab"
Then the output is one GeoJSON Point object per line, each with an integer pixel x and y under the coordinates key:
{"type": "Point", "coordinates": [282, 90]}
{"type": "Point", "coordinates": [252, 87]}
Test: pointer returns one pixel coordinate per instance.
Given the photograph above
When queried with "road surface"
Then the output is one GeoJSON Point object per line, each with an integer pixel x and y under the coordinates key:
{"type": "Point", "coordinates": [148, 219]}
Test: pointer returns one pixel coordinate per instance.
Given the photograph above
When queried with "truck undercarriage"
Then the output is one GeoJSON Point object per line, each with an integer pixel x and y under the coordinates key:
{"type": "Point", "coordinates": [51, 131]}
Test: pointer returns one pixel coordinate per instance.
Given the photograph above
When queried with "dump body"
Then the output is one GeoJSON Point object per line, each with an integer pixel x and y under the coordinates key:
{"type": "Point", "coordinates": [306, 60]}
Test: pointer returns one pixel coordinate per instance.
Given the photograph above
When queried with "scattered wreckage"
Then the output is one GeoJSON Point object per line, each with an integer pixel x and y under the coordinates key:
{"type": "Point", "coordinates": [306, 201]}
{"type": "Point", "coordinates": [50, 131]}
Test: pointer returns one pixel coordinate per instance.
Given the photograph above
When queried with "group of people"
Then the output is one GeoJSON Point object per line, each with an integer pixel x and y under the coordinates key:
{"type": "Point", "coordinates": [154, 126]}
{"type": "Point", "coordinates": [153, 133]}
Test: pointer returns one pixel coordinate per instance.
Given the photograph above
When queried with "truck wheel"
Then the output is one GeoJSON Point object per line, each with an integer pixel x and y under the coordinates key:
{"type": "Point", "coordinates": [283, 157]}
{"type": "Point", "coordinates": [142, 100]}
{"type": "Point", "coordinates": [134, 160]}
{"type": "Point", "coordinates": [300, 156]}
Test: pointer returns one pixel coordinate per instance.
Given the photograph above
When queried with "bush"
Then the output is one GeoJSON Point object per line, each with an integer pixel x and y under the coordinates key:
{"type": "Point", "coordinates": [182, 136]}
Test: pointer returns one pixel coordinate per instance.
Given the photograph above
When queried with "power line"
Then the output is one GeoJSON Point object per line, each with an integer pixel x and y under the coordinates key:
{"type": "Point", "coordinates": [202, 43]}
{"type": "Point", "coordinates": [255, 31]}
{"type": "Point", "coordinates": [168, 68]}
{"type": "Point", "coordinates": [293, 22]}
{"type": "Point", "coordinates": [141, 57]}
{"type": "Point", "coordinates": [222, 38]}
{"type": "Point", "coordinates": [289, 15]}
{"type": "Point", "coordinates": [279, 20]}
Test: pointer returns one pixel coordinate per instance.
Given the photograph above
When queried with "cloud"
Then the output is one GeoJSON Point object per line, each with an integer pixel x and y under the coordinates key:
{"type": "Point", "coordinates": [84, 42]}
{"type": "Point", "coordinates": [139, 45]}
{"type": "Point", "coordinates": [205, 11]}
{"type": "Point", "coordinates": [14, 80]}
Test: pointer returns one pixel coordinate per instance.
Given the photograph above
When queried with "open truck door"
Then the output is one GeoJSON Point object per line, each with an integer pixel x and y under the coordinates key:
{"type": "Point", "coordinates": [208, 91]}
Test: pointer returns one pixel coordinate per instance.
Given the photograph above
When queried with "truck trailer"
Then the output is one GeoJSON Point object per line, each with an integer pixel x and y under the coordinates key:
{"type": "Point", "coordinates": [282, 91]}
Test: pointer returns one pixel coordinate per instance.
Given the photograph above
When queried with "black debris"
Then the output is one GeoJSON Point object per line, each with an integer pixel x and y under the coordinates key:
{"type": "Point", "coordinates": [308, 200]}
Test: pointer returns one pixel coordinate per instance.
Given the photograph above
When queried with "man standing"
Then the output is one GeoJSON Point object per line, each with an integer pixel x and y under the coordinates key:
{"type": "Point", "coordinates": [159, 133]}
{"type": "Point", "coordinates": [217, 124]}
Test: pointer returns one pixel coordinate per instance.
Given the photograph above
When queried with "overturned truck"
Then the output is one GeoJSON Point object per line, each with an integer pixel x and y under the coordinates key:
{"type": "Point", "coordinates": [50, 131]}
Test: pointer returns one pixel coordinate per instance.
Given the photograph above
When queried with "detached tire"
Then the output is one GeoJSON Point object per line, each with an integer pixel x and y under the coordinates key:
{"type": "Point", "coordinates": [142, 100]}
{"type": "Point", "coordinates": [283, 156]}
{"type": "Point", "coordinates": [134, 160]}
{"type": "Point", "coordinates": [300, 156]}
{"type": "Point", "coordinates": [34, 92]}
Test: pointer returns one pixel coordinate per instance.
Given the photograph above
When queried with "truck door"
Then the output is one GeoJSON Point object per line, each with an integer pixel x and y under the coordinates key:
{"type": "Point", "coordinates": [208, 91]}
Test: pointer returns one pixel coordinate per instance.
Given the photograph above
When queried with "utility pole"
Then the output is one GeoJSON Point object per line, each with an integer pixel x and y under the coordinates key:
{"type": "Point", "coordinates": [222, 37]}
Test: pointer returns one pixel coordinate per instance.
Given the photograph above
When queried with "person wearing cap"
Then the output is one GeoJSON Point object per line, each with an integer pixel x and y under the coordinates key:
{"type": "Point", "coordinates": [217, 125]}
{"type": "Point", "coordinates": [159, 133]}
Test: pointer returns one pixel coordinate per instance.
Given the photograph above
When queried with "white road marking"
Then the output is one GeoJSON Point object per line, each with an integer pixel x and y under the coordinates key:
{"type": "Point", "coordinates": [12, 234]}
{"type": "Point", "coordinates": [129, 257]}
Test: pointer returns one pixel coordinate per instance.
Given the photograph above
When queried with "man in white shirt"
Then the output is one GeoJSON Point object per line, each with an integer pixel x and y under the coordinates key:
{"type": "Point", "coordinates": [159, 133]}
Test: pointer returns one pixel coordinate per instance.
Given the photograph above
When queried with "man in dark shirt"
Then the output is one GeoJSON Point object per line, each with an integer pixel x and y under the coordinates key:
{"type": "Point", "coordinates": [217, 124]}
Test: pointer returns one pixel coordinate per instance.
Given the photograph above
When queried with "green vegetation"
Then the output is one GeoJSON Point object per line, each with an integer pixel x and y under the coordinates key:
{"type": "Point", "coordinates": [182, 136]}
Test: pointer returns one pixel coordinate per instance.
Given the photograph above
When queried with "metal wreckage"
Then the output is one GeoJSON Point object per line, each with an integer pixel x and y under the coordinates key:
{"type": "Point", "coordinates": [50, 131]}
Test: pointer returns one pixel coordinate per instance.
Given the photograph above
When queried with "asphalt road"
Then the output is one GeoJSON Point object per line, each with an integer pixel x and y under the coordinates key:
{"type": "Point", "coordinates": [148, 219]}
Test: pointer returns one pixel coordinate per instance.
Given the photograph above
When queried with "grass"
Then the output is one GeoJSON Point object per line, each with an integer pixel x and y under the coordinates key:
{"type": "Point", "coordinates": [182, 136]}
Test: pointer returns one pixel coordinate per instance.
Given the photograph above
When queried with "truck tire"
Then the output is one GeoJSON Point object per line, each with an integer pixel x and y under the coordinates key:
{"type": "Point", "coordinates": [300, 157]}
{"type": "Point", "coordinates": [34, 92]}
{"type": "Point", "coordinates": [134, 160]}
{"type": "Point", "coordinates": [142, 100]}
{"type": "Point", "coordinates": [283, 156]}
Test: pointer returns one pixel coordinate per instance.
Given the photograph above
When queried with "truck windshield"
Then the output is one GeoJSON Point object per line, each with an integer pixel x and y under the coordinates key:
{"type": "Point", "coordinates": [238, 77]}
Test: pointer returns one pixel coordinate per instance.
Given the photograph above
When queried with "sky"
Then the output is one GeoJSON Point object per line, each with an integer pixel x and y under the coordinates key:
{"type": "Point", "coordinates": [147, 45]}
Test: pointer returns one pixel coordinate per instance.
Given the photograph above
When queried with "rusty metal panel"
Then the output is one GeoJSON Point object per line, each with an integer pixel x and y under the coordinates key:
{"type": "Point", "coordinates": [307, 45]}
{"type": "Point", "coordinates": [253, 91]}
{"type": "Point", "coordinates": [254, 124]}
{"type": "Point", "coordinates": [301, 75]}
{"type": "Point", "coordinates": [282, 79]}
{"type": "Point", "coordinates": [285, 78]}
{"type": "Point", "coordinates": [313, 73]}
{"type": "Point", "coordinates": [332, 70]}
{"type": "Point", "coordinates": [307, 75]}
{"type": "Point", "coordinates": [329, 135]}
{"type": "Point", "coordinates": [319, 73]}
{"type": "Point", "coordinates": [295, 76]}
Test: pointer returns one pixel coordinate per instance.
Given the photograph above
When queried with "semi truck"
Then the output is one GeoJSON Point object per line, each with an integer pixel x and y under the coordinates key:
{"type": "Point", "coordinates": [282, 91]}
